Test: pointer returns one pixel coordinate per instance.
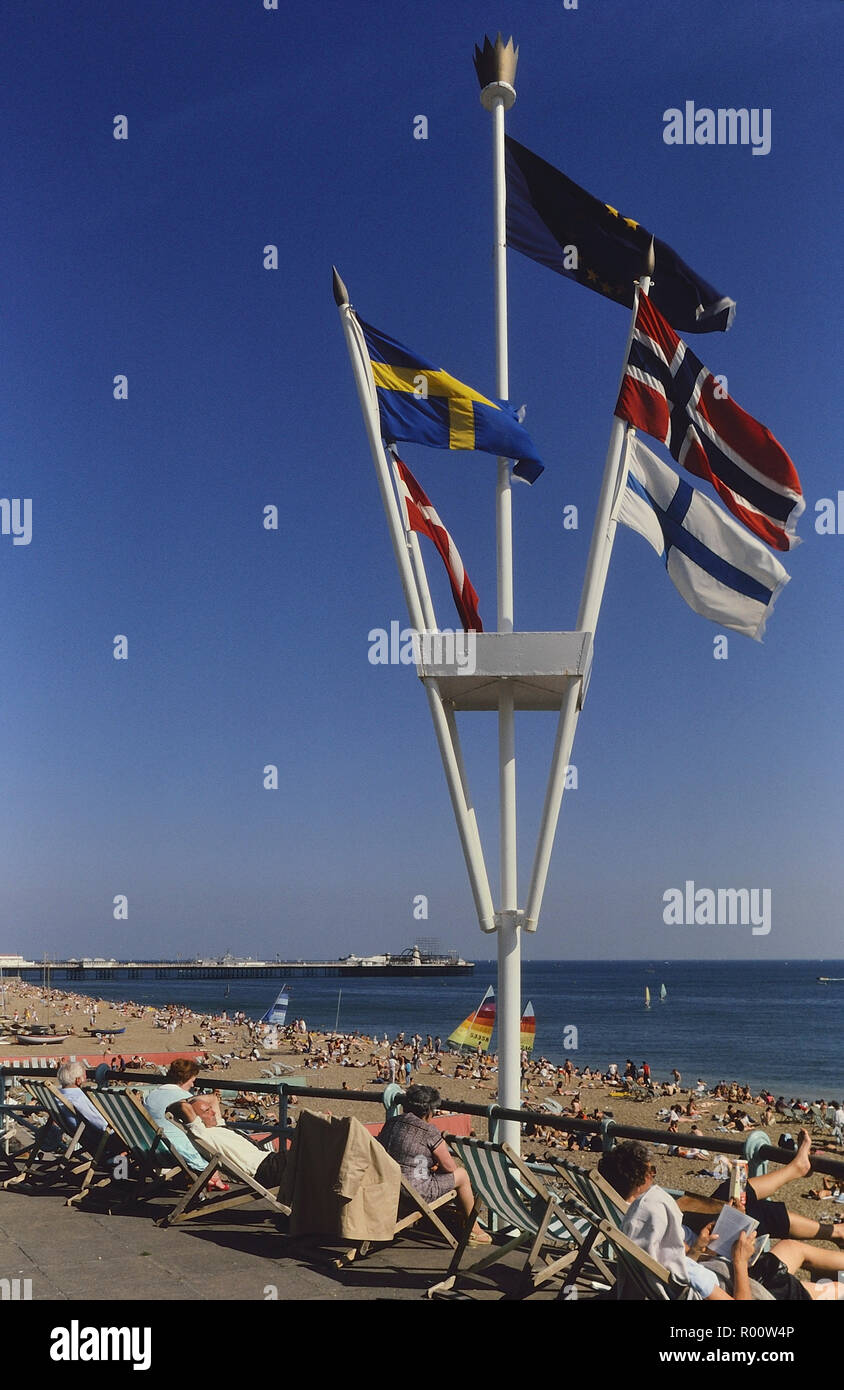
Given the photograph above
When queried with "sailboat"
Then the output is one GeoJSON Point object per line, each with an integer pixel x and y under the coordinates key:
{"type": "Point", "coordinates": [527, 1032]}
{"type": "Point", "coordinates": [275, 1018]}
{"type": "Point", "coordinates": [277, 1012]}
{"type": "Point", "coordinates": [476, 1030]}
{"type": "Point", "coordinates": [663, 994]}
{"type": "Point", "coordinates": [647, 997]}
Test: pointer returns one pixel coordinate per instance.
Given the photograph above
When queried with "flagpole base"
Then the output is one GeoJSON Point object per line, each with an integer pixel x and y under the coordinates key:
{"type": "Point", "coordinates": [498, 92]}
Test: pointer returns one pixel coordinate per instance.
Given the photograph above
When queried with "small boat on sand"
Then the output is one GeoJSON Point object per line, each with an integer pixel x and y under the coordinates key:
{"type": "Point", "coordinates": [34, 1040]}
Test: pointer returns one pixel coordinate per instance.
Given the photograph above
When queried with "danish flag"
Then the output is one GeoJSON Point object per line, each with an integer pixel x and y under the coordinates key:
{"type": "Point", "coordinates": [422, 518]}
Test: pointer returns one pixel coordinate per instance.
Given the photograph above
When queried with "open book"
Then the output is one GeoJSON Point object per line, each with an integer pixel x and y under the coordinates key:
{"type": "Point", "coordinates": [727, 1229]}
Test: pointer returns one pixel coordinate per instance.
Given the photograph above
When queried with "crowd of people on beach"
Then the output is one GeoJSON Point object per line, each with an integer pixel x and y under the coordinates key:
{"type": "Point", "coordinates": [567, 1091]}
{"type": "Point", "coordinates": [401, 1059]}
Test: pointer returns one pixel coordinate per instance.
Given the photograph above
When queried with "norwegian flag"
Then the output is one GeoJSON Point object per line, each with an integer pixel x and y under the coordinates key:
{"type": "Point", "coordinates": [422, 518]}
{"type": "Point", "coordinates": [668, 392]}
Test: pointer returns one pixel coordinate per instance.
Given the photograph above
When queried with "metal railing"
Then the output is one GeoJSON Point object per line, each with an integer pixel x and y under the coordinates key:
{"type": "Point", "coordinates": [608, 1129]}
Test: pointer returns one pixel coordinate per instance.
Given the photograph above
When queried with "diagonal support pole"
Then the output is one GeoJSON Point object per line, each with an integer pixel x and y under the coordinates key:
{"type": "Point", "coordinates": [410, 568]}
{"type": "Point", "coordinates": [594, 582]}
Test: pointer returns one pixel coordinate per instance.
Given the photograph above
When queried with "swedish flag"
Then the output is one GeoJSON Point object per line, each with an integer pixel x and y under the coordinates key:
{"type": "Point", "coordinates": [423, 404]}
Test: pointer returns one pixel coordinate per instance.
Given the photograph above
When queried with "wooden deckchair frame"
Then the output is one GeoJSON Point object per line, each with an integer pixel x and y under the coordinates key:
{"type": "Point", "coordinates": [493, 1165]}
{"type": "Point", "coordinates": [654, 1280]}
{"type": "Point", "coordinates": [424, 1211]}
{"type": "Point", "coordinates": [61, 1114]}
{"type": "Point", "coordinates": [197, 1202]}
{"type": "Point", "coordinates": [146, 1142]}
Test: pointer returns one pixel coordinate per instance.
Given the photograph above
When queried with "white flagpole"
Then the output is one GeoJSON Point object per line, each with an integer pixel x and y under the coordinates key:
{"type": "Point", "coordinates": [594, 583]}
{"type": "Point", "coordinates": [452, 763]}
{"type": "Point", "coordinates": [368, 404]}
{"type": "Point", "coordinates": [416, 560]}
{"type": "Point", "coordinates": [496, 69]}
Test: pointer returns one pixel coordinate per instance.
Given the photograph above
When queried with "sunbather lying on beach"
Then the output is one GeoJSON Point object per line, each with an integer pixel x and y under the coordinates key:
{"type": "Point", "coordinates": [829, 1191]}
{"type": "Point", "coordinates": [423, 1155]}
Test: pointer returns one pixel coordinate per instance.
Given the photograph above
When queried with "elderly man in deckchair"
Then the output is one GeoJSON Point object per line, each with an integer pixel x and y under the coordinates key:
{"type": "Point", "coordinates": [204, 1120]}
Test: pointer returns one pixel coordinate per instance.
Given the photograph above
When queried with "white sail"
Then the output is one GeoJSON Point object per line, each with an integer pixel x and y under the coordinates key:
{"type": "Point", "coordinates": [277, 1012]}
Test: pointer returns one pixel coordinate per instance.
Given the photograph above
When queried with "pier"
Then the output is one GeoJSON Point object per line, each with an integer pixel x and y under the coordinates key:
{"type": "Point", "coordinates": [407, 966]}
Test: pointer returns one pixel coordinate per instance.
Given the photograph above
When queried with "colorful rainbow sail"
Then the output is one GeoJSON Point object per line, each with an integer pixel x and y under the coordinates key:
{"type": "Point", "coordinates": [476, 1030]}
{"type": "Point", "coordinates": [528, 1028]}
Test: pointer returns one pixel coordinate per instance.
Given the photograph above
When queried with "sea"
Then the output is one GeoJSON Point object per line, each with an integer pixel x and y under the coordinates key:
{"type": "Point", "coordinates": [768, 1023]}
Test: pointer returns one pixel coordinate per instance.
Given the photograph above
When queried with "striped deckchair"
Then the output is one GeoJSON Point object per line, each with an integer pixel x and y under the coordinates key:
{"type": "Point", "coordinates": [586, 1184]}
{"type": "Point", "coordinates": [821, 1117]}
{"type": "Point", "coordinates": [8, 1164]}
{"type": "Point", "coordinates": [198, 1202]}
{"type": "Point", "coordinates": [640, 1276]}
{"type": "Point", "coordinates": [147, 1146]}
{"type": "Point", "coordinates": [521, 1202]}
{"type": "Point", "coordinates": [578, 1184]}
{"type": "Point", "coordinates": [600, 1197]}
{"type": "Point", "coordinates": [69, 1160]}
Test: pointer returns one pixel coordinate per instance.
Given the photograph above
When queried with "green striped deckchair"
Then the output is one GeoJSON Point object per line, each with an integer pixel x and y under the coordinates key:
{"type": "Point", "coordinates": [600, 1197]}
{"type": "Point", "coordinates": [586, 1184]}
{"type": "Point", "coordinates": [147, 1145]}
{"type": "Point", "coordinates": [639, 1275]}
{"type": "Point", "coordinates": [521, 1202]}
{"type": "Point", "coordinates": [821, 1119]}
{"type": "Point", "coordinates": [70, 1160]}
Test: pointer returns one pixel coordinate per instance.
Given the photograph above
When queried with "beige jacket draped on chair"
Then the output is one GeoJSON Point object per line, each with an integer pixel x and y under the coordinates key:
{"type": "Point", "coordinates": [340, 1181]}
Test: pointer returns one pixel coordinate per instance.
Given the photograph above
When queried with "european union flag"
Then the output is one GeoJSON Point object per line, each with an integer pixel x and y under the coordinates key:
{"type": "Point", "coordinates": [423, 404]}
{"type": "Point", "coordinates": [549, 217]}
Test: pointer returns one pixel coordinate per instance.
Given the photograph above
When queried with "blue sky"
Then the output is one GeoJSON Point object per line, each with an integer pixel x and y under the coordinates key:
{"type": "Point", "coordinates": [249, 127]}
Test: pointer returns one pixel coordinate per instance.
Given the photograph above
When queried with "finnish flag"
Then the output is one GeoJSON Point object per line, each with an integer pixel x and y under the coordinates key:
{"type": "Point", "coordinates": [723, 573]}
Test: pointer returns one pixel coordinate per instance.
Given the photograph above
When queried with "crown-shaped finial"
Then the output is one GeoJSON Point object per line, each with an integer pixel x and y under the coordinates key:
{"type": "Point", "coordinates": [496, 62]}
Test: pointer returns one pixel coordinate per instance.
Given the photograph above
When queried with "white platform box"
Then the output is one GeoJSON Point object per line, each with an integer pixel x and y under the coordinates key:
{"type": "Point", "coordinates": [538, 665]}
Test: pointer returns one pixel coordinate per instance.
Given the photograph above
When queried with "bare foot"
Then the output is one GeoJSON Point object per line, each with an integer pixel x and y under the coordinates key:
{"type": "Point", "coordinates": [802, 1161]}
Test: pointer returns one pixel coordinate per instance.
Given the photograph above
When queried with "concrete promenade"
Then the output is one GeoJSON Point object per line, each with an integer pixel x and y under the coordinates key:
{"type": "Point", "coordinates": [92, 1255]}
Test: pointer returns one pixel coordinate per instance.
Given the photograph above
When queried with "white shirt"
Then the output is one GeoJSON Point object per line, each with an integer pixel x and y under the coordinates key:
{"type": "Point", "coordinates": [216, 1139]}
{"type": "Point", "coordinates": [654, 1221]}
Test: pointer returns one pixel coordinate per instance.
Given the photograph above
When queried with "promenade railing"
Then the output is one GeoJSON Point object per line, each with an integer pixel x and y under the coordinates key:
{"type": "Point", "coordinates": [608, 1129]}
